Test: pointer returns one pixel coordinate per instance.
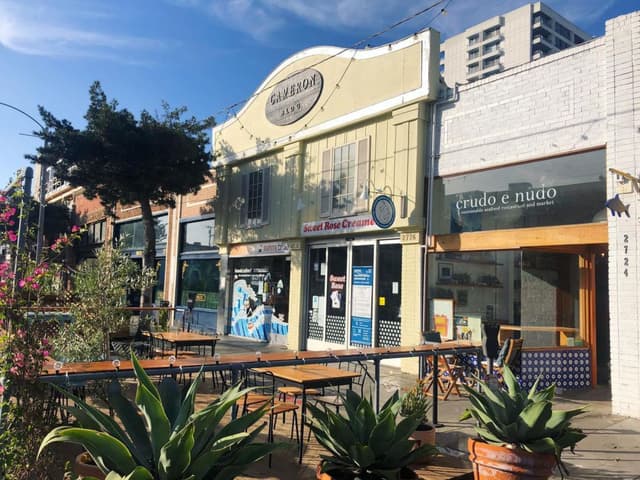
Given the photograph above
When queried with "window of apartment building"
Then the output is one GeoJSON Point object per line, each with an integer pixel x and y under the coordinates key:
{"type": "Point", "coordinates": [344, 179]}
{"type": "Point", "coordinates": [562, 30]}
{"type": "Point", "coordinates": [474, 67]}
{"type": "Point", "coordinates": [490, 62]}
{"type": "Point", "coordinates": [255, 193]}
{"type": "Point", "coordinates": [94, 233]}
{"type": "Point", "coordinates": [561, 44]}
{"type": "Point", "coordinates": [541, 18]}
{"type": "Point", "coordinates": [491, 47]}
{"type": "Point", "coordinates": [52, 182]}
{"type": "Point", "coordinates": [475, 53]}
{"type": "Point", "coordinates": [491, 32]}
{"type": "Point", "coordinates": [473, 39]}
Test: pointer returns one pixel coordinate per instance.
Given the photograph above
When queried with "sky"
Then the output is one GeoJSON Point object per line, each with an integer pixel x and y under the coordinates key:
{"type": "Point", "coordinates": [206, 55]}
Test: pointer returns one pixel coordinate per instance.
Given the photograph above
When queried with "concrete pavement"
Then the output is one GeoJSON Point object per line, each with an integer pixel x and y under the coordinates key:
{"type": "Point", "coordinates": [611, 449]}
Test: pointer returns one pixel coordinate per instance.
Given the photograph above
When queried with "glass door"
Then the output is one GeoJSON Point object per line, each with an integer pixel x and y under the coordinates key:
{"type": "Point", "coordinates": [389, 295]}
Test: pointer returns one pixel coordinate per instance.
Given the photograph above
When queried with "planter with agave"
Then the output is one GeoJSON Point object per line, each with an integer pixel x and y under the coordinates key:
{"type": "Point", "coordinates": [521, 437]}
{"type": "Point", "coordinates": [417, 403]}
{"type": "Point", "coordinates": [162, 437]}
{"type": "Point", "coordinates": [364, 445]}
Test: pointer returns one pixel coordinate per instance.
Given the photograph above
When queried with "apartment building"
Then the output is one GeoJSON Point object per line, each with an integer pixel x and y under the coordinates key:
{"type": "Point", "coordinates": [517, 37]}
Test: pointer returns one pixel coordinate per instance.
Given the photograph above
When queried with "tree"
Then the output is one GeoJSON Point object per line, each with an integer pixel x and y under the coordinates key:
{"type": "Point", "coordinates": [120, 159]}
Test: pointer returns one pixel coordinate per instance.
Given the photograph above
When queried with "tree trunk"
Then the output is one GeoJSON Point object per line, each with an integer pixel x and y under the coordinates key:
{"type": "Point", "coordinates": [149, 257]}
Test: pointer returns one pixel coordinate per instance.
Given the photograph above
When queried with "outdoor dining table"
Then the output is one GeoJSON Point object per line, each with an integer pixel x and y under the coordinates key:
{"type": "Point", "coordinates": [181, 339]}
{"type": "Point", "coordinates": [309, 376]}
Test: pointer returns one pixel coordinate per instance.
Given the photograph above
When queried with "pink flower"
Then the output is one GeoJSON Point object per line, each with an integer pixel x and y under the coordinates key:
{"type": "Point", "coordinates": [75, 228]}
{"type": "Point", "coordinates": [45, 353]}
{"type": "Point", "coordinates": [22, 283]}
{"type": "Point", "coordinates": [13, 370]}
{"type": "Point", "coordinates": [12, 236]}
{"type": "Point", "coordinates": [1, 389]}
{"type": "Point", "coordinates": [35, 285]}
{"type": "Point", "coordinates": [45, 341]}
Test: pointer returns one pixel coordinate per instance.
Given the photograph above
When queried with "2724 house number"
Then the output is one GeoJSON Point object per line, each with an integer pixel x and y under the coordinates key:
{"type": "Point", "coordinates": [625, 259]}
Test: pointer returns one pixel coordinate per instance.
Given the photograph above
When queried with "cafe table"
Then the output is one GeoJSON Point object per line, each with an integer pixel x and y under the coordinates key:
{"type": "Point", "coordinates": [305, 377]}
{"type": "Point", "coordinates": [182, 339]}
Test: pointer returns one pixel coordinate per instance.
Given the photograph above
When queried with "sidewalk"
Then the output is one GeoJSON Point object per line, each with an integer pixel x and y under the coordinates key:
{"type": "Point", "coordinates": [610, 451]}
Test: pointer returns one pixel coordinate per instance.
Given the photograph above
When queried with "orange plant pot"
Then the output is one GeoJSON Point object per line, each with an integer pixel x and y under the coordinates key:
{"type": "Point", "coordinates": [83, 468]}
{"type": "Point", "coordinates": [493, 462]}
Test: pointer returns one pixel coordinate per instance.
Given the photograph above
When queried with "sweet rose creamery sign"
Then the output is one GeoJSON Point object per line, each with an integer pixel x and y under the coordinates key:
{"type": "Point", "coordinates": [293, 97]}
{"type": "Point", "coordinates": [359, 223]}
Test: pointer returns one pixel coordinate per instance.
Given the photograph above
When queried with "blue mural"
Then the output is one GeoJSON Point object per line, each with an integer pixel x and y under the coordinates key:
{"type": "Point", "coordinates": [251, 318]}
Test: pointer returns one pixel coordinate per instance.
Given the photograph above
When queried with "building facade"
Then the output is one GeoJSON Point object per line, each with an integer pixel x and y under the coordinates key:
{"type": "Point", "coordinates": [505, 41]}
{"type": "Point", "coordinates": [309, 258]}
{"type": "Point", "coordinates": [535, 171]}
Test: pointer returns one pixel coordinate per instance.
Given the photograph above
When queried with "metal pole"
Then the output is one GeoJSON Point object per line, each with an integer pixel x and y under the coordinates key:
{"type": "Point", "coordinates": [41, 184]}
{"type": "Point", "coordinates": [22, 223]}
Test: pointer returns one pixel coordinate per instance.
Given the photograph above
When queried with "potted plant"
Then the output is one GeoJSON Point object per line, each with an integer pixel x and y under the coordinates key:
{"type": "Point", "coordinates": [366, 445]}
{"type": "Point", "coordinates": [520, 436]}
{"type": "Point", "coordinates": [161, 436]}
{"type": "Point", "coordinates": [417, 403]}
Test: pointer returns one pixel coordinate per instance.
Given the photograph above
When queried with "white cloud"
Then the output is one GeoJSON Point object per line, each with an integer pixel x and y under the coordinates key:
{"type": "Point", "coordinates": [44, 31]}
{"type": "Point", "coordinates": [262, 19]}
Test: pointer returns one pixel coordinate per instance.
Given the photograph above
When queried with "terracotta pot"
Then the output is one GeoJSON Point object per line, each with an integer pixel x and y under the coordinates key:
{"type": "Point", "coordinates": [424, 434]}
{"type": "Point", "coordinates": [406, 474]}
{"type": "Point", "coordinates": [84, 467]}
{"type": "Point", "coordinates": [493, 462]}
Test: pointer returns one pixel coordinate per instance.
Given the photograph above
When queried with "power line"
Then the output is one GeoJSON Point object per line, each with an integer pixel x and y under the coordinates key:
{"type": "Point", "coordinates": [365, 40]}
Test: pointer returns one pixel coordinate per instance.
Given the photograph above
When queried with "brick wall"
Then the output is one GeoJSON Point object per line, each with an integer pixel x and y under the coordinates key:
{"type": "Point", "coordinates": [580, 98]}
{"type": "Point", "coordinates": [622, 53]}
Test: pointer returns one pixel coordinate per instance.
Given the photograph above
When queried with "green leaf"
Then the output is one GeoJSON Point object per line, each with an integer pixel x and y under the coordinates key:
{"type": "Point", "coordinates": [175, 455]}
{"type": "Point", "coordinates": [132, 423]}
{"type": "Point", "coordinates": [381, 437]}
{"type": "Point", "coordinates": [156, 420]}
{"type": "Point", "coordinates": [533, 420]}
{"type": "Point", "coordinates": [143, 378]}
{"type": "Point", "coordinates": [170, 396]}
{"type": "Point", "coordinates": [108, 452]}
{"type": "Point", "coordinates": [188, 404]}
{"type": "Point", "coordinates": [139, 473]}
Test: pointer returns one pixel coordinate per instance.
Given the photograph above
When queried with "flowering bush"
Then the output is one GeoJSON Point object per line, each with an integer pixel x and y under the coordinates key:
{"type": "Point", "coordinates": [25, 339]}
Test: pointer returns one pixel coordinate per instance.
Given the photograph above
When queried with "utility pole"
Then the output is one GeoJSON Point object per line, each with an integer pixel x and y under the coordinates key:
{"type": "Point", "coordinates": [41, 192]}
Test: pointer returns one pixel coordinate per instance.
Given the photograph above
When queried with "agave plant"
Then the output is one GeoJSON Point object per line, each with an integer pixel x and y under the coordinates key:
{"type": "Point", "coordinates": [523, 419]}
{"type": "Point", "coordinates": [365, 445]}
{"type": "Point", "coordinates": [161, 436]}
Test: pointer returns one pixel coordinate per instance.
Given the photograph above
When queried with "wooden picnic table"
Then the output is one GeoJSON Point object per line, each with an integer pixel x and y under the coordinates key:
{"type": "Point", "coordinates": [181, 339]}
{"type": "Point", "coordinates": [309, 376]}
{"type": "Point", "coordinates": [236, 363]}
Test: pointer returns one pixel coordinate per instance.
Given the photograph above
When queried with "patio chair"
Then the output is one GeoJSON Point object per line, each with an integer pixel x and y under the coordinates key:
{"type": "Point", "coordinates": [265, 394]}
{"type": "Point", "coordinates": [333, 397]}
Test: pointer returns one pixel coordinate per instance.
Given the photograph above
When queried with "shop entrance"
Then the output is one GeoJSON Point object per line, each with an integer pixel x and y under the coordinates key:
{"type": "Point", "coordinates": [353, 296]}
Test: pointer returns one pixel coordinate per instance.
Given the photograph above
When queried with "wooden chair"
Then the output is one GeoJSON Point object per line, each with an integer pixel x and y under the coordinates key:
{"type": "Point", "coordinates": [265, 394]}
{"type": "Point", "coordinates": [510, 354]}
{"type": "Point", "coordinates": [450, 377]}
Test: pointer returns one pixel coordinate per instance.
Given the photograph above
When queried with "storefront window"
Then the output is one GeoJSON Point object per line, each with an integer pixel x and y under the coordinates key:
{"type": "Point", "coordinates": [198, 236]}
{"type": "Point", "coordinates": [130, 235]}
{"type": "Point", "coordinates": [560, 191]}
{"type": "Point", "coordinates": [260, 305]}
{"type": "Point", "coordinates": [533, 294]}
{"type": "Point", "coordinates": [200, 281]}
{"type": "Point", "coordinates": [198, 264]}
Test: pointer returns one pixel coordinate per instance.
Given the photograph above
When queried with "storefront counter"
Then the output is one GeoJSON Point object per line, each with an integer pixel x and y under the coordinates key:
{"type": "Point", "coordinates": [568, 367]}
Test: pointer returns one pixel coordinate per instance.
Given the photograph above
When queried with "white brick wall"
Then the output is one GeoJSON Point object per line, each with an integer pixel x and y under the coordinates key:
{"type": "Point", "coordinates": [622, 79]}
{"type": "Point", "coordinates": [547, 107]}
{"type": "Point", "coordinates": [580, 98]}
